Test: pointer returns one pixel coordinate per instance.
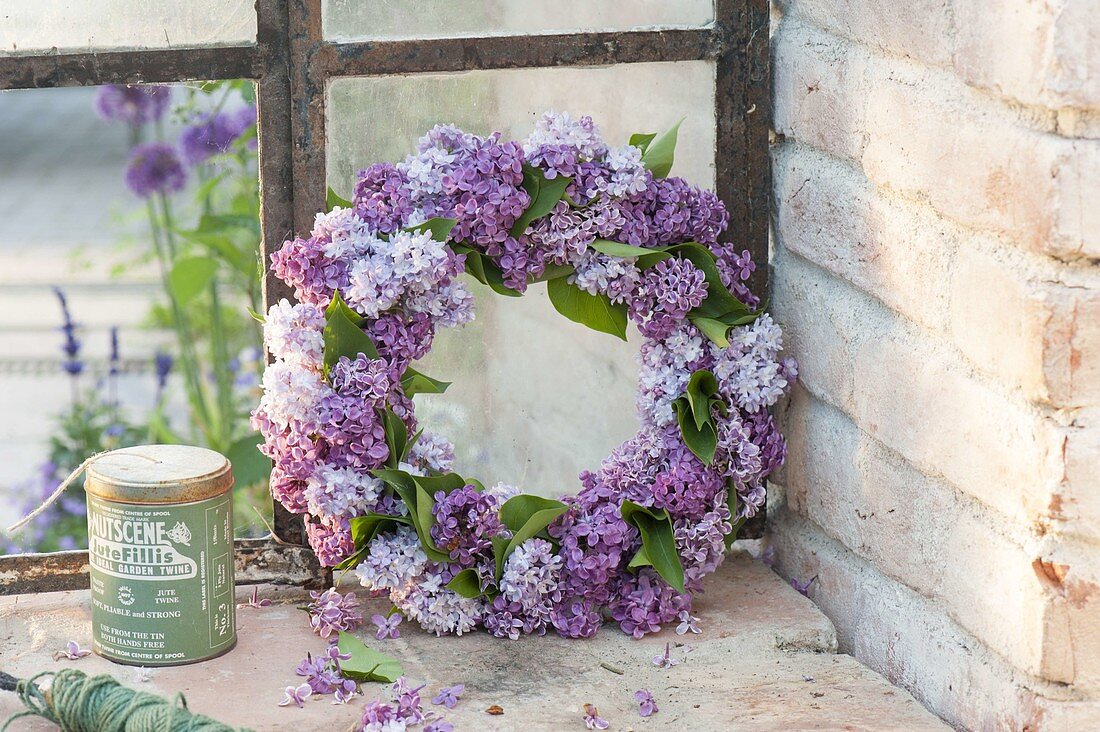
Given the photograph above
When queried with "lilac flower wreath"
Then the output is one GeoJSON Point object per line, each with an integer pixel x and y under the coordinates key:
{"type": "Point", "coordinates": [614, 239]}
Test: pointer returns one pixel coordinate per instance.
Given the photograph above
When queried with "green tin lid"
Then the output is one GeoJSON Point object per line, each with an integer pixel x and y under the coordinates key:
{"type": "Point", "coordinates": [159, 474]}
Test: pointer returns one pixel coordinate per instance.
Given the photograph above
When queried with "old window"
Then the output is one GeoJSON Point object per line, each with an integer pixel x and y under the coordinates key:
{"type": "Point", "coordinates": [339, 84]}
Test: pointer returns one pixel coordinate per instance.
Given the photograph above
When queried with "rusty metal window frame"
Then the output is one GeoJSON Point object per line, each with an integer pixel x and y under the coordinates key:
{"type": "Point", "coordinates": [291, 64]}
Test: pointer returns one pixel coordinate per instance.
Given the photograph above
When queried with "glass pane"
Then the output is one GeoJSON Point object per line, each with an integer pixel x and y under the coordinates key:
{"type": "Point", "coordinates": [536, 398]}
{"type": "Point", "coordinates": [75, 25]}
{"type": "Point", "coordinates": [347, 20]}
{"type": "Point", "coordinates": [84, 207]}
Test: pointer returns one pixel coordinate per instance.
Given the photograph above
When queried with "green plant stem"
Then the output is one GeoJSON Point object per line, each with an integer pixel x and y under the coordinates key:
{"type": "Point", "coordinates": [222, 378]}
{"type": "Point", "coordinates": [165, 246]}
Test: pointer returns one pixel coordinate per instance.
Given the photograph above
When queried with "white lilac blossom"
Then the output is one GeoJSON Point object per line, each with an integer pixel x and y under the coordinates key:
{"type": "Point", "coordinates": [323, 424]}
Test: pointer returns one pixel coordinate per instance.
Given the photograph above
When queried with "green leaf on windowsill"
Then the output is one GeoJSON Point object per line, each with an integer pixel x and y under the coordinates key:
{"type": "Point", "coordinates": [367, 664]}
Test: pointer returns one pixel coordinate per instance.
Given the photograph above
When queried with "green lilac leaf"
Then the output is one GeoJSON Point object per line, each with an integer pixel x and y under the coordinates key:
{"type": "Point", "coordinates": [525, 516]}
{"type": "Point", "coordinates": [190, 277]}
{"type": "Point", "coordinates": [483, 269]}
{"type": "Point", "coordinates": [445, 482]}
{"type": "Point", "coordinates": [595, 311]}
{"type": "Point", "coordinates": [545, 194]}
{"type": "Point", "coordinates": [397, 436]}
{"type": "Point", "coordinates": [715, 330]}
{"type": "Point", "coordinates": [500, 551]}
{"type": "Point", "coordinates": [250, 466]}
{"type": "Point", "coordinates": [419, 503]}
{"type": "Point", "coordinates": [367, 664]}
{"type": "Point", "coordinates": [642, 140]}
{"type": "Point", "coordinates": [256, 316]}
{"type": "Point", "coordinates": [466, 583]}
{"type": "Point", "coordinates": [641, 559]}
{"type": "Point", "coordinates": [658, 541]}
{"type": "Point", "coordinates": [658, 155]}
{"type": "Point", "coordinates": [363, 531]}
{"type": "Point", "coordinates": [702, 441]}
{"type": "Point", "coordinates": [616, 249]}
{"type": "Point", "coordinates": [414, 382]}
{"type": "Point", "coordinates": [440, 228]}
{"type": "Point", "coordinates": [701, 387]}
{"type": "Point", "coordinates": [333, 199]}
{"type": "Point", "coordinates": [553, 272]}
{"type": "Point", "coordinates": [732, 503]}
{"type": "Point", "coordinates": [343, 335]}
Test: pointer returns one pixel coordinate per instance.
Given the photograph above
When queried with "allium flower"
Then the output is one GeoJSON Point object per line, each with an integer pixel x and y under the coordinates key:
{"type": "Point", "coordinates": [592, 718]}
{"type": "Point", "coordinates": [214, 134]}
{"type": "Point", "coordinates": [646, 705]}
{"type": "Point", "coordinates": [154, 167]}
{"type": "Point", "coordinates": [448, 696]}
{"type": "Point", "coordinates": [296, 695]}
{"type": "Point", "coordinates": [72, 651]}
{"type": "Point", "coordinates": [162, 366]}
{"type": "Point", "coordinates": [387, 627]}
{"type": "Point", "coordinates": [330, 612]}
{"type": "Point", "coordinates": [134, 105]}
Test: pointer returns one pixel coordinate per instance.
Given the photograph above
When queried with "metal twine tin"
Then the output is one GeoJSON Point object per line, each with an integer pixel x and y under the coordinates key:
{"type": "Point", "coordinates": [160, 554]}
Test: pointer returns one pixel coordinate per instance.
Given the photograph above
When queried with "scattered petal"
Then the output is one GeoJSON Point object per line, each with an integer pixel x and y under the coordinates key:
{"type": "Point", "coordinates": [296, 695]}
{"type": "Point", "coordinates": [646, 705]}
{"type": "Point", "coordinates": [592, 718]}
{"type": "Point", "coordinates": [448, 696]}
{"type": "Point", "coordinates": [665, 661]}
{"type": "Point", "coordinates": [688, 622]}
{"type": "Point", "coordinates": [439, 725]}
{"type": "Point", "coordinates": [255, 600]}
{"type": "Point", "coordinates": [387, 627]}
{"type": "Point", "coordinates": [808, 679]}
{"type": "Point", "coordinates": [143, 675]}
{"type": "Point", "coordinates": [803, 589]}
{"type": "Point", "coordinates": [72, 651]}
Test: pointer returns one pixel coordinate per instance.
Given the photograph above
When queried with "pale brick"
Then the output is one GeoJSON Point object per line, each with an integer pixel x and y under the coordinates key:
{"type": "Point", "coordinates": [913, 397]}
{"type": "Point", "coordinates": [911, 640]}
{"type": "Point", "coordinates": [827, 211]}
{"type": "Point", "coordinates": [1032, 326]}
{"type": "Point", "coordinates": [928, 136]}
{"type": "Point", "coordinates": [1041, 53]}
{"type": "Point", "coordinates": [924, 533]}
{"type": "Point", "coordinates": [916, 29]}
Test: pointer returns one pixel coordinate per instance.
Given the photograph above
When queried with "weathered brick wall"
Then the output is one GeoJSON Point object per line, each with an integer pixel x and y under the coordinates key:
{"type": "Point", "coordinates": [936, 240]}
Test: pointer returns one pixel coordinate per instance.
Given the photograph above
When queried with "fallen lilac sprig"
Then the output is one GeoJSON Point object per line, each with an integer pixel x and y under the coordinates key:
{"type": "Point", "coordinates": [255, 600]}
{"type": "Point", "coordinates": [592, 718]}
{"type": "Point", "coordinates": [296, 695]}
{"type": "Point", "coordinates": [646, 704]}
{"type": "Point", "coordinates": [330, 612]}
{"type": "Point", "coordinates": [448, 696]}
{"type": "Point", "coordinates": [665, 661]}
{"type": "Point", "coordinates": [72, 651]}
{"type": "Point", "coordinates": [387, 626]}
{"type": "Point", "coordinates": [803, 589]}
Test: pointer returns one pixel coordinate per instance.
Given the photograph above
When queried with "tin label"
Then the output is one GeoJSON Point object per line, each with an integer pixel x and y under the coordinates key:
{"type": "Point", "coordinates": [161, 580]}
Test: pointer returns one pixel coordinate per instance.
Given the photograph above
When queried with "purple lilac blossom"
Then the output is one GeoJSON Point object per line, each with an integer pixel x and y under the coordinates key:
{"type": "Point", "coordinates": [154, 167]}
{"type": "Point", "coordinates": [387, 627]}
{"type": "Point", "coordinates": [133, 105]}
{"type": "Point", "coordinates": [592, 718]}
{"type": "Point", "coordinates": [322, 429]}
{"type": "Point", "coordinates": [448, 695]}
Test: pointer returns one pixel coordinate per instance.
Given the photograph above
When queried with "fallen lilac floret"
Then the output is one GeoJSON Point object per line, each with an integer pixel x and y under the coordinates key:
{"type": "Point", "coordinates": [666, 660]}
{"type": "Point", "coordinates": [72, 651]}
{"type": "Point", "coordinates": [448, 696]}
{"type": "Point", "coordinates": [387, 627]}
{"type": "Point", "coordinates": [592, 718]}
{"type": "Point", "coordinates": [646, 705]}
{"type": "Point", "coordinates": [803, 588]}
{"type": "Point", "coordinates": [296, 695]}
{"type": "Point", "coordinates": [255, 600]}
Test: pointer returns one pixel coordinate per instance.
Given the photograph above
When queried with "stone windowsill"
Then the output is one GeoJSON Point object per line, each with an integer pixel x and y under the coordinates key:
{"type": "Point", "coordinates": [745, 671]}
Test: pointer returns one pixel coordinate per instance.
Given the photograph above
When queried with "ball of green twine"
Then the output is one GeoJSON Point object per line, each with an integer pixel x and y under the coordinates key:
{"type": "Point", "coordinates": [77, 702]}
